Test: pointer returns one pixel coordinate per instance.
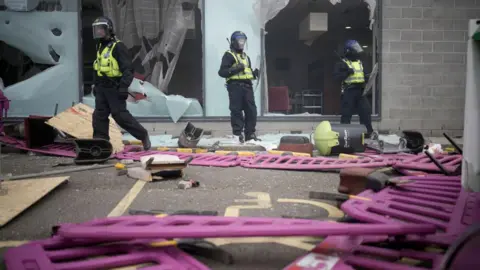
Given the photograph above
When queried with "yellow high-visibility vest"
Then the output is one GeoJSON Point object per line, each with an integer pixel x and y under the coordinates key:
{"type": "Point", "coordinates": [106, 64]}
{"type": "Point", "coordinates": [358, 75]}
{"type": "Point", "coordinates": [247, 73]}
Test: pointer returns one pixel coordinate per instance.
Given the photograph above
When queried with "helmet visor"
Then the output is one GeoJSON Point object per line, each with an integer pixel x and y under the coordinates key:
{"type": "Point", "coordinates": [100, 30]}
{"type": "Point", "coordinates": [240, 43]}
{"type": "Point", "coordinates": [355, 47]}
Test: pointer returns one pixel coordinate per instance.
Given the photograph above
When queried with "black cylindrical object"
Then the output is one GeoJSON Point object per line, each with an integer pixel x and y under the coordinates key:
{"type": "Point", "coordinates": [334, 139]}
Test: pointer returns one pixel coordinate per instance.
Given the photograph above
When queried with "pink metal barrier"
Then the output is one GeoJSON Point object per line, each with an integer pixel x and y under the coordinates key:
{"type": "Point", "coordinates": [59, 254]}
{"type": "Point", "coordinates": [350, 253]}
{"type": "Point", "coordinates": [216, 160]}
{"type": "Point", "coordinates": [64, 150]}
{"type": "Point", "coordinates": [132, 153]}
{"type": "Point", "coordinates": [198, 159]}
{"type": "Point", "coordinates": [423, 163]}
{"type": "Point", "coordinates": [134, 227]}
{"type": "Point", "coordinates": [380, 253]}
{"type": "Point", "coordinates": [435, 200]}
{"type": "Point", "coordinates": [313, 163]}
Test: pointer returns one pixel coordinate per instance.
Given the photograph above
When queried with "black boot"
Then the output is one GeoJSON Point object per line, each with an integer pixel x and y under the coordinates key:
{"type": "Point", "coordinates": [241, 139]}
{"type": "Point", "coordinates": [252, 136]}
{"type": "Point", "coordinates": [147, 144]}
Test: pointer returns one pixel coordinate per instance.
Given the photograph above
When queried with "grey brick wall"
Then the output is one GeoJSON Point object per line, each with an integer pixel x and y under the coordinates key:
{"type": "Point", "coordinates": [424, 54]}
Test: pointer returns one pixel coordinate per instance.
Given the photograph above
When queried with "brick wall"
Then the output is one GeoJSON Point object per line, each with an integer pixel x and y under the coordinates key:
{"type": "Point", "coordinates": [424, 54]}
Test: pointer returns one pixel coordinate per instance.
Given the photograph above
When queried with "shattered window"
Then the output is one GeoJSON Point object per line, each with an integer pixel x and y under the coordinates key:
{"type": "Point", "coordinates": [15, 65]}
{"type": "Point", "coordinates": [303, 43]}
{"type": "Point", "coordinates": [165, 41]}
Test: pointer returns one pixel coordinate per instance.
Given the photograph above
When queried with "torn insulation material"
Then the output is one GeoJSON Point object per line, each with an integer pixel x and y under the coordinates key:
{"type": "Point", "coordinates": [159, 28]}
{"type": "Point", "coordinates": [372, 6]}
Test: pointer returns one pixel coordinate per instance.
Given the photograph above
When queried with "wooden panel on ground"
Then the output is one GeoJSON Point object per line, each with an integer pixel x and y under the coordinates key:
{"type": "Point", "coordinates": [16, 196]}
{"type": "Point", "coordinates": [77, 122]}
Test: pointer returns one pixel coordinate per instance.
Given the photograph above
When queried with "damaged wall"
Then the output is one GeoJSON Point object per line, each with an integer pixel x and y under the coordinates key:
{"type": "Point", "coordinates": [424, 64]}
{"type": "Point", "coordinates": [48, 35]}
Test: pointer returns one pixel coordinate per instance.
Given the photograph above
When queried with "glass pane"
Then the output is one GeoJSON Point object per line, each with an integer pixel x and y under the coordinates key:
{"type": "Point", "coordinates": [222, 18]}
{"type": "Point", "coordinates": [39, 56]}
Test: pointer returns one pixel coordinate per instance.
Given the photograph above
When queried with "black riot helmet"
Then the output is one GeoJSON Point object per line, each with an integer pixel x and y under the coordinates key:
{"type": "Point", "coordinates": [352, 49]}
{"type": "Point", "coordinates": [238, 40]}
{"type": "Point", "coordinates": [102, 28]}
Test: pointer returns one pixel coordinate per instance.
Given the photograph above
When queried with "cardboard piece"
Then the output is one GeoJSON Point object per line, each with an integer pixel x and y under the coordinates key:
{"type": "Point", "coordinates": [77, 122]}
{"type": "Point", "coordinates": [18, 195]}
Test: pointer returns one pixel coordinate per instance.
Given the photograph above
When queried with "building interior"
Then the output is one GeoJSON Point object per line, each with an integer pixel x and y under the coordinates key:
{"type": "Point", "coordinates": [300, 65]}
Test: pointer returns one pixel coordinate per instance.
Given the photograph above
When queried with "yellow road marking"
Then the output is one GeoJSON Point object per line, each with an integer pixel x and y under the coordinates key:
{"type": "Point", "coordinates": [262, 201]}
{"type": "Point", "coordinates": [4, 244]}
{"type": "Point", "coordinates": [127, 200]}
{"type": "Point", "coordinates": [333, 212]}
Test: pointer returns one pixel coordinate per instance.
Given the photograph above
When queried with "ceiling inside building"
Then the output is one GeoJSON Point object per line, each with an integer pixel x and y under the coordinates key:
{"type": "Point", "coordinates": [353, 13]}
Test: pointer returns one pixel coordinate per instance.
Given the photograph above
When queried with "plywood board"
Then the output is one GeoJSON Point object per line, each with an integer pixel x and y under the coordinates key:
{"type": "Point", "coordinates": [16, 196]}
{"type": "Point", "coordinates": [77, 122]}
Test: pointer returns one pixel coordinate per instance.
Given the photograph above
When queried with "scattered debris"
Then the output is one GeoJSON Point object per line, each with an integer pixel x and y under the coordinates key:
{"type": "Point", "coordinates": [409, 142]}
{"type": "Point", "coordinates": [434, 148]}
{"type": "Point", "coordinates": [77, 122]}
{"type": "Point", "coordinates": [190, 136]}
{"type": "Point", "coordinates": [156, 167]}
{"type": "Point", "coordinates": [356, 180]}
{"type": "Point", "coordinates": [91, 151]}
{"type": "Point", "coordinates": [186, 184]}
{"type": "Point", "coordinates": [127, 161]}
{"type": "Point", "coordinates": [295, 144]}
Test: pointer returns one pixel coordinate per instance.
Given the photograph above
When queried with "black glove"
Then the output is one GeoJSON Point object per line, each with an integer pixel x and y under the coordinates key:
{"type": "Point", "coordinates": [256, 73]}
{"type": "Point", "coordinates": [237, 68]}
{"type": "Point", "coordinates": [123, 93]}
{"type": "Point", "coordinates": [350, 71]}
{"type": "Point", "coordinates": [240, 66]}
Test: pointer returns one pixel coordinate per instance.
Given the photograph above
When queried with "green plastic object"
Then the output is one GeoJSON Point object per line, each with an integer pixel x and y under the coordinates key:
{"type": "Point", "coordinates": [325, 138]}
{"type": "Point", "coordinates": [476, 34]}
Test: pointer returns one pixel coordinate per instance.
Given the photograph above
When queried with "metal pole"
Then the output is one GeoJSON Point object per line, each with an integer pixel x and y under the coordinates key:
{"type": "Point", "coordinates": [76, 169]}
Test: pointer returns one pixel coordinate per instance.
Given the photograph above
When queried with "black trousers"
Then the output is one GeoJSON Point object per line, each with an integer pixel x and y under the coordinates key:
{"type": "Point", "coordinates": [242, 101]}
{"type": "Point", "coordinates": [353, 102]}
{"type": "Point", "coordinates": [108, 101]}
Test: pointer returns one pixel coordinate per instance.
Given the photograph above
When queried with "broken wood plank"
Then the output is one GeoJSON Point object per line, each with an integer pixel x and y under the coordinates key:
{"type": "Point", "coordinates": [77, 122]}
{"type": "Point", "coordinates": [17, 196]}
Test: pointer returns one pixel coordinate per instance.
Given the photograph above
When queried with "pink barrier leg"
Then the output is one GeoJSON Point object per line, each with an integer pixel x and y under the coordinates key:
{"type": "Point", "coordinates": [59, 254]}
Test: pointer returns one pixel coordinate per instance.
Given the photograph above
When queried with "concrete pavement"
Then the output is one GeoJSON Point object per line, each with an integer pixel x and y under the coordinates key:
{"type": "Point", "coordinates": [99, 193]}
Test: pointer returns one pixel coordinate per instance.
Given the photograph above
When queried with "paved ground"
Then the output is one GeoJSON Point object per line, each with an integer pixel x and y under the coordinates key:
{"type": "Point", "coordinates": [98, 193]}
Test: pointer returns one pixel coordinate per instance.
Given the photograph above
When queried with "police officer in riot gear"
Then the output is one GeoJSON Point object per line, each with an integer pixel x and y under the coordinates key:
{"type": "Point", "coordinates": [236, 68]}
{"type": "Point", "coordinates": [350, 72]}
{"type": "Point", "coordinates": [113, 75]}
